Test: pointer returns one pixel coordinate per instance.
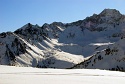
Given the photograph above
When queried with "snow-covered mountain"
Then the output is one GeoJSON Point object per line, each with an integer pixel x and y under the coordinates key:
{"type": "Point", "coordinates": [95, 42]}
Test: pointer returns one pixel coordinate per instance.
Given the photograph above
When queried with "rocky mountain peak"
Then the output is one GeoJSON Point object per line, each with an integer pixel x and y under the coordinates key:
{"type": "Point", "coordinates": [110, 12]}
{"type": "Point", "coordinates": [28, 25]}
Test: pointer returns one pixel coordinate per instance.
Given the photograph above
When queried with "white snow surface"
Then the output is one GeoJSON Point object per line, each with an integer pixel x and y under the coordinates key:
{"type": "Point", "coordinates": [101, 44]}
{"type": "Point", "coordinates": [23, 75]}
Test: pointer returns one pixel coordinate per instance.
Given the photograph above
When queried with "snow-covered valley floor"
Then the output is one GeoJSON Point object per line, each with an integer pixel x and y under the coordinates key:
{"type": "Point", "coordinates": [28, 75]}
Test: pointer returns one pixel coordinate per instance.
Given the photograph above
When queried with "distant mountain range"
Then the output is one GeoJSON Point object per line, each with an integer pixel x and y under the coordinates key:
{"type": "Point", "coordinates": [97, 42]}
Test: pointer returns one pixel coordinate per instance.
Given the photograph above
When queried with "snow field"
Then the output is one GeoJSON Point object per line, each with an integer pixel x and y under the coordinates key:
{"type": "Point", "coordinates": [28, 75]}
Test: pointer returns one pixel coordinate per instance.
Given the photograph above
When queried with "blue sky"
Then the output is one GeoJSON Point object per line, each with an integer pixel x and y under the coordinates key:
{"type": "Point", "coordinates": [16, 13]}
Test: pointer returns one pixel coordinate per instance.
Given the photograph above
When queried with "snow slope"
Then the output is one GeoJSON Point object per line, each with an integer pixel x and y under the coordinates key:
{"type": "Point", "coordinates": [17, 51]}
{"type": "Point", "coordinates": [112, 58]}
{"type": "Point", "coordinates": [21, 75]}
